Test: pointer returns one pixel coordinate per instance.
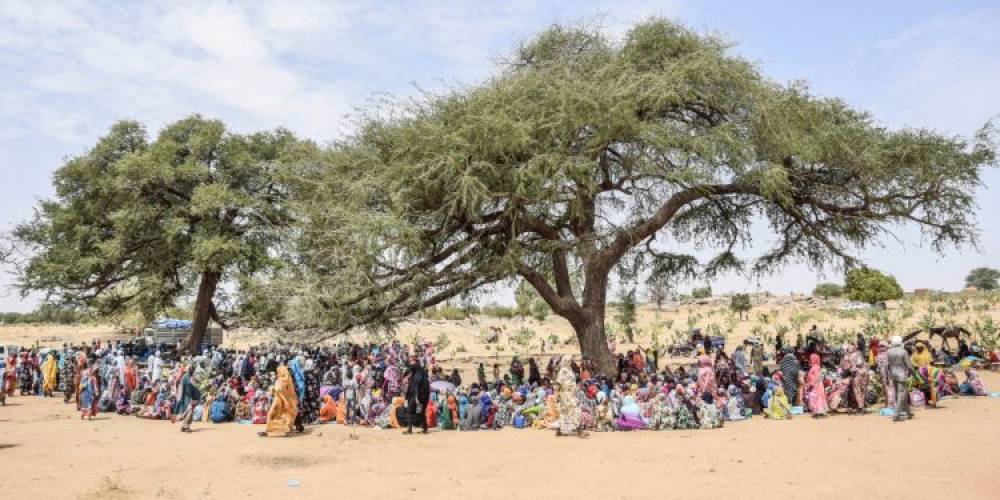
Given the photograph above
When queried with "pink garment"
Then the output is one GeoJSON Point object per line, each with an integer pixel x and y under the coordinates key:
{"type": "Point", "coordinates": [815, 394]}
{"type": "Point", "coordinates": [706, 375]}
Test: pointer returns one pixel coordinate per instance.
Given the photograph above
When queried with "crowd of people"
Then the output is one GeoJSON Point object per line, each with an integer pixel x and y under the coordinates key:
{"type": "Point", "coordinates": [393, 385]}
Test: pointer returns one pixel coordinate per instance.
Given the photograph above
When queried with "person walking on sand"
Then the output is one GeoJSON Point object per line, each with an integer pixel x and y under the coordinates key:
{"type": "Point", "coordinates": [418, 393]}
{"type": "Point", "coordinates": [899, 372]}
{"type": "Point", "coordinates": [189, 398]}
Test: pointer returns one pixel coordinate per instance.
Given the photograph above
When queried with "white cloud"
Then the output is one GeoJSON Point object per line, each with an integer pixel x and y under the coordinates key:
{"type": "Point", "coordinates": [945, 72]}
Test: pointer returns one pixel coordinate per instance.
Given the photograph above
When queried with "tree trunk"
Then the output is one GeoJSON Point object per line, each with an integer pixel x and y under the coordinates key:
{"type": "Point", "coordinates": [202, 311]}
{"type": "Point", "coordinates": [589, 330]}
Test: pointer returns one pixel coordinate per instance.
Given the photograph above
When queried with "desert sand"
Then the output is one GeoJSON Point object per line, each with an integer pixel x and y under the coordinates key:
{"type": "Point", "coordinates": [47, 452]}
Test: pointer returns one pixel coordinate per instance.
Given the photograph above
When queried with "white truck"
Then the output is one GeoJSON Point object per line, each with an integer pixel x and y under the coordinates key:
{"type": "Point", "coordinates": [169, 332]}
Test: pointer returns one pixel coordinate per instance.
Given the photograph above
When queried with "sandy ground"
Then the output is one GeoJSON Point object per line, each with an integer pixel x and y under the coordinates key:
{"type": "Point", "coordinates": [46, 452]}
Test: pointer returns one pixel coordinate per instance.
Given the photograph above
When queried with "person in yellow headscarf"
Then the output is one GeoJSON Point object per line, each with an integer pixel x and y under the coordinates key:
{"type": "Point", "coordinates": [284, 406]}
{"type": "Point", "coordinates": [50, 372]}
{"type": "Point", "coordinates": [778, 407]}
{"type": "Point", "coordinates": [922, 357]}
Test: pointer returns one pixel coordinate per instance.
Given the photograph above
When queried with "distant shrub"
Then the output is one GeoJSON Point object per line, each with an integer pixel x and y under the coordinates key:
{"type": "Point", "coordinates": [828, 290]}
{"type": "Point", "coordinates": [498, 311]}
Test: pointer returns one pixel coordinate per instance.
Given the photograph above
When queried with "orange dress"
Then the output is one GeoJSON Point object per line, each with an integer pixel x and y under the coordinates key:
{"type": "Point", "coordinates": [284, 407]}
{"type": "Point", "coordinates": [397, 402]}
{"type": "Point", "coordinates": [328, 411]}
{"type": "Point", "coordinates": [341, 410]}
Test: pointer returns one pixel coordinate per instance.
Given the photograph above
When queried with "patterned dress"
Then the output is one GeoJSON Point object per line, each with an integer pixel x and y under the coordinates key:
{"type": "Point", "coordinates": [569, 405]}
{"type": "Point", "coordinates": [310, 403]}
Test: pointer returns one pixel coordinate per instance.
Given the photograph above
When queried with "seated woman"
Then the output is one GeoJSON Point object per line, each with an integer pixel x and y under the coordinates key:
{"type": "Point", "coordinates": [708, 412]}
{"type": "Point", "coordinates": [328, 410]}
{"type": "Point", "coordinates": [631, 415]}
{"type": "Point", "coordinates": [778, 407]}
{"type": "Point", "coordinates": [735, 407]}
{"type": "Point", "coordinates": [603, 414]}
{"type": "Point", "coordinates": [973, 385]}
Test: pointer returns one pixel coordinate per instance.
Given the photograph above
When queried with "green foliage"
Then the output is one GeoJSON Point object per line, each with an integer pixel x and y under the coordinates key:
{"type": "Point", "coordinates": [44, 314]}
{"type": "Point", "coordinates": [701, 293]}
{"type": "Point", "coordinates": [498, 311]}
{"type": "Point", "coordinates": [871, 286]}
{"type": "Point", "coordinates": [828, 290]}
{"type": "Point", "coordinates": [540, 310]}
{"type": "Point", "coordinates": [522, 337]}
{"type": "Point", "coordinates": [627, 309]}
{"type": "Point", "coordinates": [741, 304]}
{"type": "Point", "coordinates": [988, 331]}
{"type": "Point", "coordinates": [799, 320]}
{"type": "Point", "coordinates": [137, 225]}
{"type": "Point", "coordinates": [658, 290]}
{"type": "Point", "coordinates": [983, 278]}
{"type": "Point", "coordinates": [529, 303]}
{"type": "Point", "coordinates": [442, 342]}
{"type": "Point", "coordinates": [928, 320]}
{"type": "Point", "coordinates": [879, 324]}
{"type": "Point", "coordinates": [553, 339]}
{"type": "Point", "coordinates": [445, 312]}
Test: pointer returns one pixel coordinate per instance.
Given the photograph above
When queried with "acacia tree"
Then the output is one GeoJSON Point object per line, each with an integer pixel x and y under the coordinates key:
{"type": "Point", "coordinates": [582, 156]}
{"type": "Point", "coordinates": [983, 278]}
{"type": "Point", "coordinates": [138, 225]}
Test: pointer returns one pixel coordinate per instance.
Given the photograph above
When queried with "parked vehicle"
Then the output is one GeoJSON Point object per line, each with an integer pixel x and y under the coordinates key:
{"type": "Point", "coordinates": [167, 333]}
{"type": "Point", "coordinates": [691, 346]}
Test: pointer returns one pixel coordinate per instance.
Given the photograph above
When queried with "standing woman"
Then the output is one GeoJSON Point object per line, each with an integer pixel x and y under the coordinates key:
{"type": "Point", "coordinates": [706, 372]}
{"type": "Point", "coordinates": [295, 366]}
{"type": "Point", "coordinates": [814, 390]}
{"type": "Point", "coordinates": [3, 377]}
{"type": "Point", "coordinates": [67, 376]}
{"type": "Point", "coordinates": [882, 366]}
{"type": "Point", "coordinates": [310, 404]}
{"type": "Point", "coordinates": [81, 366]}
{"type": "Point", "coordinates": [418, 393]}
{"type": "Point", "coordinates": [50, 375]}
{"type": "Point", "coordinates": [87, 395]}
{"type": "Point", "coordinates": [859, 377]}
{"type": "Point", "coordinates": [789, 368]}
{"type": "Point", "coordinates": [9, 379]}
{"type": "Point", "coordinates": [188, 397]}
{"type": "Point", "coordinates": [569, 404]}
{"type": "Point", "coordinates": [131, 376]}
{"type": "Point", "coordinates": [284, 406]}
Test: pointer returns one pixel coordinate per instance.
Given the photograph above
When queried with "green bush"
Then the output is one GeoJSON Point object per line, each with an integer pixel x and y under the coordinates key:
{"type": "Point", "coordinates": [498, 311]}
{"type": "Point", "coordinates": [702, 293]}
{"type": "Point", "coordinates": [828, 290]}
{"type": "Point", "coordinates": [445, 312]}
{"type": "Point", "coordinates": [871, 286]}
{"type": "Point", "coordinates": [740, 304]}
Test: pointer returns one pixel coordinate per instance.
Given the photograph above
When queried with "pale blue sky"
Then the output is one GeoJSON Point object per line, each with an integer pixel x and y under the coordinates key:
{"type": "Point", "coordinates": [70, 69]}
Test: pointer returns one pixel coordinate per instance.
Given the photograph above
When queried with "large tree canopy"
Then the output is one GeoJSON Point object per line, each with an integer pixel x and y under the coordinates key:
{"type": "Point", "coordinates": [582, 156]}
{"type": "Point", "coordinates": [983, 278]}
{"type": "Point", "coordinates": [136, 224]}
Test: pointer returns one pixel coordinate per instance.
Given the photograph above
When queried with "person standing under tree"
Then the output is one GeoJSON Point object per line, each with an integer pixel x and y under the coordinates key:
{"type": "Point", "coordinates": [418, 393]}
{"type": "Point", "coordinates": [899, 372]}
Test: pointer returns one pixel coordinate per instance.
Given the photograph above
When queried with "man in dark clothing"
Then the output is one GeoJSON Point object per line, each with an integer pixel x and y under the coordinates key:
{"type": "Point", "coordinates": [418, 394]}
